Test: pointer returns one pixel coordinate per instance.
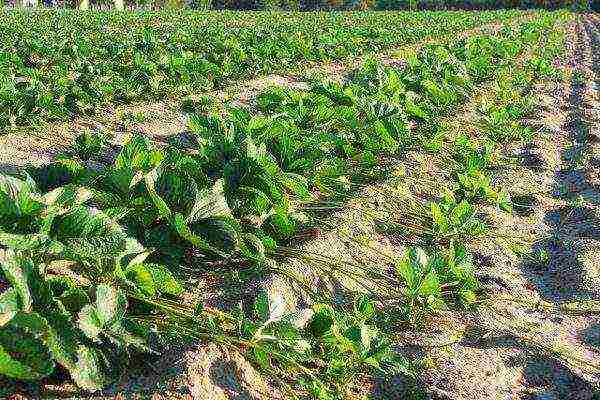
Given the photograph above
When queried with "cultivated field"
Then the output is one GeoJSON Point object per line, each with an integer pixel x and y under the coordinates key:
{"type": "Point", "coordinates": [269, 205]}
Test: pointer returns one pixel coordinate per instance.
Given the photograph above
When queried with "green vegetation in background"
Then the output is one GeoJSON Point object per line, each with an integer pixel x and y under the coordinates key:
{"type": "Point", "coordinates": [477, 4]}
{"type": "Point", "coordinates": [55, 64]}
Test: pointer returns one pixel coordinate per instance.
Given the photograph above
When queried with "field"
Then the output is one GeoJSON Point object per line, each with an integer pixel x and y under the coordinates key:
{"type": "Point", "coordinates": [272, 205]}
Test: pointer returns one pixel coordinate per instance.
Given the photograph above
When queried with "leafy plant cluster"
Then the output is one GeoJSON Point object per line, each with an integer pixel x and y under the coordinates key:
{"type": "Point", "coordinates": [433, 279]}
{"type": "Point", "coordinates": [442, 225]}
{"type": "Point", "coordinates": [500, 118]}
{"type": "Point", "coordinates": [54, 64]}
{"type": "Point", "coordinates": [92, 256]}
{"type": "Point", "coordinates": [476, 4]}
{"type": "Point", "coordinates": [453, 219]}
{"type": "Point", "coordinates": [505, 60]}
{"type": "Point", "coordinates": [341, 344]}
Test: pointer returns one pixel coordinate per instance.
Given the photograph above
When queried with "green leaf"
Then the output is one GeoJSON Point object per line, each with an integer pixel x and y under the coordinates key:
{"type": "Point", "coordinates": [253, 248]}
{"type": "Point", "coordinates": [361, 337]}
{"type": "Point", "coordinates": [405, 269]}
{"type": "Point", "coordinates": [151, 179]}
{"type": "Point", "coordinates": [143, 279]}
{"type": "Point", "coordinates": [18, 272]}
{"type": "Point", "coordinates": [261, 356]}
{"type": "Point", "coordinates": [18, 195]}
{"type": "Point", "coordinates": [253, 201]}
{"type": "Point", "coordinates": [186, 233]}
{"type": "Point", "coordinates": [411, 266]}
{"type": "Point", "coordinates": [210, 203]}
{"type": "Point", "coordinates": [88, 234]}
{"type": "Point", "coordinates": [89, 322]}
{"type": "Point", "coordinates": [74, 299]}
{"type": "Point", "coordinates": [322, 320]}
{"type": "Point", "coordinates": [138, 154]}
{"type": "Point", "coordinates": [438, 218]}
{"type": "Point", "coordinates": [296, 184]}
{"type": "Point", "coordinates": [365, 307]}
{"type": "Point", "coordinates": [87, 373]}
{"type": "Point", "coordinates": [33, 361]}
{"type": "Point", "coordinates": [67, 196]}
{"type": "Point", "coordinates": [22, 354]}
{"type": "Point", "coordinates": [430, 286]}
{"type": "Point", "coordinates": [164, 280]}
{"type": "Point", "coordinates": [505, 202]}
{"type": "Point", "coordinates": [461, 213]}
{"type": "Point", "coordinates": [261, 306]}
{"type": "Point", "coordinates": [19, 242]}
{"type": "Point", "coordinates": [9, 305]}
{"type": "Point", "coordinates": [111, 304]}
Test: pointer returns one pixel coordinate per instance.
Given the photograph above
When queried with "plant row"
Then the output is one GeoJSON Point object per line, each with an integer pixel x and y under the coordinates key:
{"type": "Point", "coordinates": [55, 64]}
{"type": "Point", "coordinates": [477, 4]}
{"type": "Point", "coordinates": [94, 257]}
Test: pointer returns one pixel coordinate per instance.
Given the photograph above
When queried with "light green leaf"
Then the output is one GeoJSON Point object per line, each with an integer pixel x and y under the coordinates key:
{"type": "Point", "coordinates": [143, 279]}
{"type": "Point", "coordinates": [19, 242]}
{"type": "Point", "coordinates": [430, 285]}
{"type": "Point", "coordinates": [261, 356]}
{"type": "Point", "coordinates": [111, 304]}
{"type": "Point", "coordinates": [438, 217]}
{"type": "Point", "coordinates": [365, 307]}
{"type": "Point", "coordinates": [405, 269]}
{"type": "Point", "coordinates": [164, 280]}
{"type": "Point", "coordinates": [296, 184]}
{"type": "Point", "coordinates": [138, 154]}
{"type": "Point", "coordinates": [210, 203]}
{"type": "Point", "coordinates": [88, 371]}
{"type": "Point", "coordinates": [9, 305]}
{"type": "Point", "coordinates": [89, 322]}
{"type": "Point", "coordinates": [18, 272]}
{"type": "Point", "coordinates": [461, 213]}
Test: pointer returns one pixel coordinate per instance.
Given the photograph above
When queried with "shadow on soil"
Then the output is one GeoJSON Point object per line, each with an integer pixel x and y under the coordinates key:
{"type": "Point", "coordinates": [558, 272]}
{"type": "Point", "coordinates": [544, 376]}
{"type": "Point", "coordinates": [221, 373]}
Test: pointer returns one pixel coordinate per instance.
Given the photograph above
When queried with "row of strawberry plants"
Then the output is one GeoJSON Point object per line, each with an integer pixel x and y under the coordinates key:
{"type": "Point", "coordinates": [92, 255]}
{"type": "Point", "coordinates": [54, 64]}
{"type": "Point", "coordinates": [472, 150]}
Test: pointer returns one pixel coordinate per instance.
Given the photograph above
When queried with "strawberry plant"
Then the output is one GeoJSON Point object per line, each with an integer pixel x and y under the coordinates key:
{"type": "Point", "coordinates": [432, 279]}
{"type": "Point", "coordinates": [450, 219]}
